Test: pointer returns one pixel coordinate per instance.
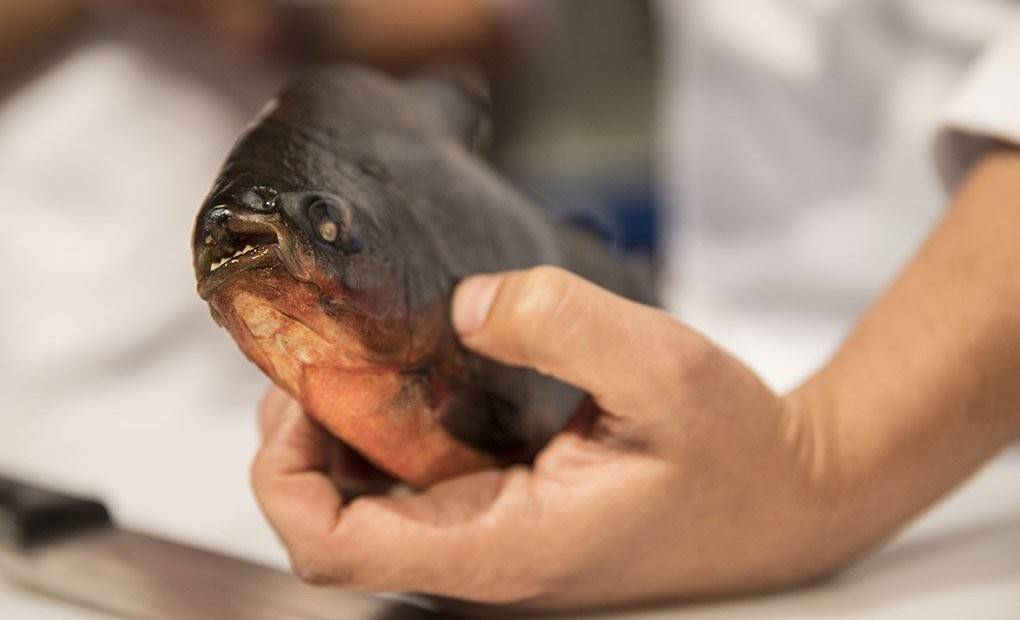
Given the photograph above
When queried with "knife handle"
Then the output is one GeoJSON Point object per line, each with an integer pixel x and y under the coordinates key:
{"type": "Point", "coordinates": [29, 514]}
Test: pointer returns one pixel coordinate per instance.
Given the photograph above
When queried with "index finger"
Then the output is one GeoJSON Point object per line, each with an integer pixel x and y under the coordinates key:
{"type": "Point", "coordinates": [291, 475]}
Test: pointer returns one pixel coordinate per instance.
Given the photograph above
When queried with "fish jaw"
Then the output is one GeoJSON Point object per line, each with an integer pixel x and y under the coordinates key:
{"type": "Point", "coordinates": [229, 240]}
{"type": "Point", "coordinates": [388, 413]}
{"type": "Point", "coordinates": [387, 417]}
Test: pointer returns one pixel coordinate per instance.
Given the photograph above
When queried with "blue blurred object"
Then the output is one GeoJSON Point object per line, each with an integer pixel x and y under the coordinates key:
{"type": "Point", "coordinates": [624, 215]}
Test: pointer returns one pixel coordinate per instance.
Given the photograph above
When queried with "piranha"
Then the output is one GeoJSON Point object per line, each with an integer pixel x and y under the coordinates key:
{"type": "Point", "coordinates": [329, 247]}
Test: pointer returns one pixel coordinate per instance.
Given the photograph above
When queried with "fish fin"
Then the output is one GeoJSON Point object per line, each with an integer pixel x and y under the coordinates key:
{"type": "Point", "coordinates": [459, 93]}
{"type": "Point", "coordinates": [384, 417]}
{"type": "Point", "coordinates": [487, 422]}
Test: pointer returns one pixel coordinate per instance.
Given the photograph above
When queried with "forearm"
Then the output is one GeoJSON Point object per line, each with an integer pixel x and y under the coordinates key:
{"type": "Point", "coordinates": [31, 28]}
{"type": "Point", "coordinates": [927, 387]}
{"type": "Point", "coordinates": [402, 34]}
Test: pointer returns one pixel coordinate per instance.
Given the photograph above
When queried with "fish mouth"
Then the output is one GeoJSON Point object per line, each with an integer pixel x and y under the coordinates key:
{"type": "Point", "coordinates": [231, 240]}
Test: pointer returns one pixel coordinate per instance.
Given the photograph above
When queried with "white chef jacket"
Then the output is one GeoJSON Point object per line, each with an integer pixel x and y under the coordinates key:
{"type": "Point", "coordinates": [114, 379]}
{"type": "Point", "coordinates": [796, 150]}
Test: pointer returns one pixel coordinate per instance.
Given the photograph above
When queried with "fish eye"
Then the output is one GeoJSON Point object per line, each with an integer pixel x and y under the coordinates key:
{"type": "Point", "coordinates": [324, 218]}
{"type": "Point", "coordinates": [331, 222]}
{"type": "Point", "coordinates": [328, 230]}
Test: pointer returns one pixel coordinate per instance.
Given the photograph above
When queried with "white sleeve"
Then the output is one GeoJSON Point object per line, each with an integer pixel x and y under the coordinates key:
{"type": "Point", "coordinates": [984, 110]}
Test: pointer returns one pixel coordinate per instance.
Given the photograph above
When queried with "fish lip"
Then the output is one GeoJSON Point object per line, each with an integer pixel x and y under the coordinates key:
{"type": "Point", "coordinates": [272, 238]}
{"type": "Point", "coordinates": [263, 256]}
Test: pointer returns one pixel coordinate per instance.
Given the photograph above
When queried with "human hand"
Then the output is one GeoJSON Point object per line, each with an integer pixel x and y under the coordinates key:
{"type": "Point", "coordinates": [686, 477]}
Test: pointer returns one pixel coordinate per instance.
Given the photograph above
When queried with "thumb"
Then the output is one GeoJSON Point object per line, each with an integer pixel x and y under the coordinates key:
{"type": "Point", "coordinates": [569, 328]}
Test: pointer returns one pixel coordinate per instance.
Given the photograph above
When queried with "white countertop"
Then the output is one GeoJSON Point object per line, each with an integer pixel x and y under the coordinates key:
{"type": "Point", "coordinates": [962, 560]}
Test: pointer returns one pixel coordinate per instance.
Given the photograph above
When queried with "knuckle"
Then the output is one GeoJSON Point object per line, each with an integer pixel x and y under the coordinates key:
{"type": "Point", "coordinates": [697, 355]}
{"type": "Point", "coordinates": [263, 474]}
{"type": "Point", "coordinates": [548, 275]}
{"type": "Point", "coordinates": [311, 574]}
{"type": "Point", "coordinates": [266, 415]}
{"type": "Point", "coordinates": [545, 307]}
{"type": "Point", "coordinates": [258, 471]}
{"type": "Point", "coordinates": [311, 567]}
{"type": "Point", "coordinates": [685, 359]}
{"type": "Point", "coordinates": [543, 290]}
{"type": "Point", "coordinates": [271, 408]}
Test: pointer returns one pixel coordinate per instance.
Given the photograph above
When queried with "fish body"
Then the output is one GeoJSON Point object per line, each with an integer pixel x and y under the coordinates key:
{"type": "Point", "coordinates": [329, 247]}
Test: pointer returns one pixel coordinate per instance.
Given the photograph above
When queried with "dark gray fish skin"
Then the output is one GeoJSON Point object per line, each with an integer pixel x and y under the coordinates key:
{"type": "Point", "coordinates": [390, 166]}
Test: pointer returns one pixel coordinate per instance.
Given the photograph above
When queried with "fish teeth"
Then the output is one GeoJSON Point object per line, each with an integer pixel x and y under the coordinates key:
{"type": "Point", "coordinates": [223, 261]}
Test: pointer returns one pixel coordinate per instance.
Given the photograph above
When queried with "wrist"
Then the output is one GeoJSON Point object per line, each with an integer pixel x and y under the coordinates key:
{"type": "Point", "coordinates": [878, 463]}
{"type": "Point", "coordinates": [844, 469]}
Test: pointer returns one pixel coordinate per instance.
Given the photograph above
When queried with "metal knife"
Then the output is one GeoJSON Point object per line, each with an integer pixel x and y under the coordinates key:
{"type": "Point", "coordinates": [69, 547]}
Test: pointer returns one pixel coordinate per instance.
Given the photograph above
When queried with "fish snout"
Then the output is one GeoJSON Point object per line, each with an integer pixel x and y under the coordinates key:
{"type": "Point", "coordinates": [233, 237]}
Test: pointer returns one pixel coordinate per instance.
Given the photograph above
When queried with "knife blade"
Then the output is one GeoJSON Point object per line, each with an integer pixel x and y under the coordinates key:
{"type": "Point", "coordinates": [69, 547]}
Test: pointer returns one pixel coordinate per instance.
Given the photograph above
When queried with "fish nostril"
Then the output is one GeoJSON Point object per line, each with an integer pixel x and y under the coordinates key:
{"type": "Point", "coordinates": [258, 199]}
{"type": "Point", "coordinates": [214, 227]}
{"type": "Point", "coordinates": [250, 200]}
{"type": "Point", "coordinates": [218, 214]}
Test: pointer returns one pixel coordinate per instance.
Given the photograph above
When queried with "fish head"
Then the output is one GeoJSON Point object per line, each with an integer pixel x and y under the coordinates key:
{"type": "Point", "coordinates": [319, 238]}
{"type": "Point", "coordinates": [324, 184]}
{"type": "Point", "coordinates": [265, 259]}
{"type": "Point", "coordinates": [309, 252]}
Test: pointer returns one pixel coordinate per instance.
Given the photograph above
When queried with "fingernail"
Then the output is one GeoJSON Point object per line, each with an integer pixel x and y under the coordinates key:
{"type": "Point", "coordinates": [472, 301]}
